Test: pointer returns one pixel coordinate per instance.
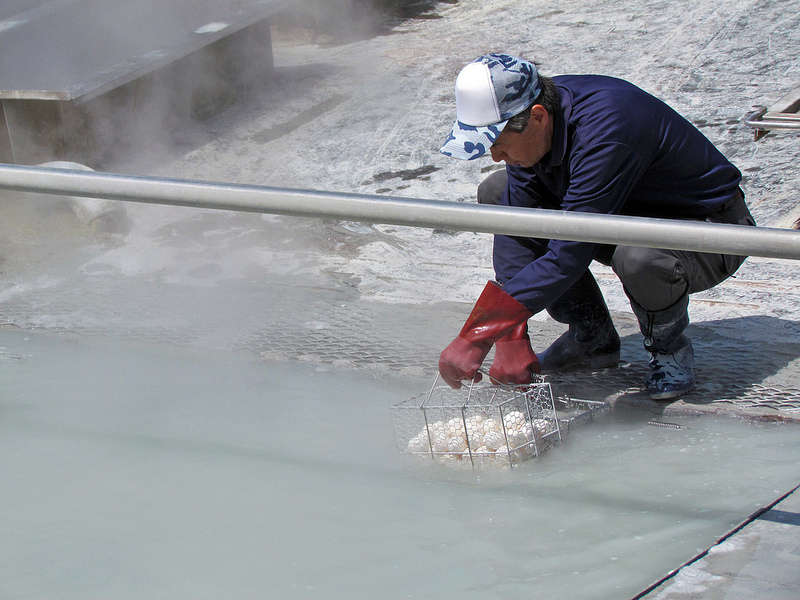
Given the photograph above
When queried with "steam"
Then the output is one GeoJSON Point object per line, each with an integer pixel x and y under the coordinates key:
{"type": "Point", "coordinates": [98, 212]}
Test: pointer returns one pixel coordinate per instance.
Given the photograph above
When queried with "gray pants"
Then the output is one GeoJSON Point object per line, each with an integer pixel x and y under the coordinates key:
{"type": "Point", "coordinates": [653, 278]}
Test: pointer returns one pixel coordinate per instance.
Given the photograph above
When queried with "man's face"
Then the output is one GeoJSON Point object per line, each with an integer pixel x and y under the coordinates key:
{"type": "Point", "coordinates": [527, 148]}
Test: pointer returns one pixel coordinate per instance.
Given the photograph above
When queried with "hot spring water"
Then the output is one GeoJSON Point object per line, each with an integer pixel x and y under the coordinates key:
{"type": "Point", "coordinates": [135, 471]}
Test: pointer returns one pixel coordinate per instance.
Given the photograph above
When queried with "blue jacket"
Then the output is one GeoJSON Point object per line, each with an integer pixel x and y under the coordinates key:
{"type": "Point", "coordinates": [616, 150]}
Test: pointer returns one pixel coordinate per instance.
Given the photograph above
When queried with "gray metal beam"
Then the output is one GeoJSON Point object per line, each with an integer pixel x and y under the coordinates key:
{"type": "Point", "coordinates": [77, 50]}
{"type": "Point", "coordinates": [412, 212]}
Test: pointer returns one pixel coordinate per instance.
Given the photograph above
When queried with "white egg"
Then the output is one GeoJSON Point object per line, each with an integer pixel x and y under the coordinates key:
{"type": "Point", "coordinates": [419, 443]}
{"type": "Point", "coordinates": [476, 439]}
{"type": "Point", "coordinates": [493, 440]}
{"type": "Point", "coordinates": [542, 427]}
{"type": "Point", "coordinates": [476, 420]}
{"type": "Point", "coordinates": [490, 425]}
{"type": "Point", "coordinates": [475, 429]}
{"type": "Point", "coordinates": [514, 419]}
{"type": "Point", "coordinates": [532, 448]}
{"type": "Point", "coordinates": [456, 444]}
{"type": "Point", "coordinates": [454, 427]}
{"type": "Point", "coordinates": [436, 427]}
{"type": "Point", "coordinates": [423, 438]}
{"type": "Point", "coordinates": [526, 431]}
{"type": "Point", "coordinates": [440, 442]}
{"type": "Point", "coordinates": [516, 438]}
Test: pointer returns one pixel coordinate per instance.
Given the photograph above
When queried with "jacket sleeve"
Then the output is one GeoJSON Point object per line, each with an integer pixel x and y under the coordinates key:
{"type": "Point", "coordinates": [600, 180]}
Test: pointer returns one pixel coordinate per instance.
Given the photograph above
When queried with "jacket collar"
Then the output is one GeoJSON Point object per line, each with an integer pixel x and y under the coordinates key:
{"type": "Point", "coordinates": [558, 151]}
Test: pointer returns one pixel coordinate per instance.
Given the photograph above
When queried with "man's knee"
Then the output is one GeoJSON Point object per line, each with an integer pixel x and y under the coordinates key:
{"type": "Point", "coordinates": [631, 262]}
{"type": "Point", "coordinates": [491, 189]}
{"type": "Point", "coordinates": [654, 279]}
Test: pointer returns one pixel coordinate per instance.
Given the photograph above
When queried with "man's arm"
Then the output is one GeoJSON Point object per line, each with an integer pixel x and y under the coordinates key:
{"type": "Point", "coordinates": [537, 272]}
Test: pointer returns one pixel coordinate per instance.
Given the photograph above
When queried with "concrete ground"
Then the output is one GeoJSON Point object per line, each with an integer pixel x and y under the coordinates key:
{"type": "Point", "coordinates": [760, 560]}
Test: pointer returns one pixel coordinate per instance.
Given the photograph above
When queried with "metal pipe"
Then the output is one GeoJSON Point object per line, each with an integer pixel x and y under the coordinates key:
{"type": "Point", "coordinates": [783, 124]}
{"type": "Point", "coordinates": [605, 229]}
{"type": "Point", "coordinates": [762, 120]}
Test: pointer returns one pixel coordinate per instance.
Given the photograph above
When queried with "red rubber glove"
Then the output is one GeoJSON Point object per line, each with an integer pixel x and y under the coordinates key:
{"type": "Point", "coordinates": [494, 315]}
{"type": "Point", "coordinates": [514, 360]}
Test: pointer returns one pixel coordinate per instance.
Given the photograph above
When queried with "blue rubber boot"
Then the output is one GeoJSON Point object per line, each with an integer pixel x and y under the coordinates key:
{"type": "Point", "coordinates": [671, 375]}
{"type": "Point", "coordinates": [672, 356]}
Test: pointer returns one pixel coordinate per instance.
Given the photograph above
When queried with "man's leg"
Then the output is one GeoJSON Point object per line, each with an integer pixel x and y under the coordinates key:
{"type": "Point", "coordinates": [591, 342]}
{"type": "Point", "coordinates": [658, 284]}
{"type": "Point", "coordinates": [491, 189]}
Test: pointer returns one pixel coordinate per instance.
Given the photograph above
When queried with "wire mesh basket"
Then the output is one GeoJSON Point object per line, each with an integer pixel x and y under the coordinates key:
{"type": "Point", "coordinates": [486, 424]}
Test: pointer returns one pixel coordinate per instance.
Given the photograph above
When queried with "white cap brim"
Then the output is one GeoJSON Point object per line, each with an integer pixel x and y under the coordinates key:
{"type": "Point", "coordinates": [468, 142]}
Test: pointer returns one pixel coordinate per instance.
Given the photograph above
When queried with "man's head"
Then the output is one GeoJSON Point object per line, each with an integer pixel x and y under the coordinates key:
{"type": "Point", "coordinates": [496, 112]}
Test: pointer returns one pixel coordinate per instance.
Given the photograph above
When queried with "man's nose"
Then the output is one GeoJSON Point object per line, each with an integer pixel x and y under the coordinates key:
{"type": "Point", "coordinates": [497, 155]}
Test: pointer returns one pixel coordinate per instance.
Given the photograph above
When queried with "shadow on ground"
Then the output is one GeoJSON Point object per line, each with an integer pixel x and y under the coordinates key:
{"type": "Point", "coordinates": [752, 378]}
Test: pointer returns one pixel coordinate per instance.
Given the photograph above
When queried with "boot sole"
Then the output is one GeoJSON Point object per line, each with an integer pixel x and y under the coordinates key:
{"type": "Point", "coordinates": [670, 395]}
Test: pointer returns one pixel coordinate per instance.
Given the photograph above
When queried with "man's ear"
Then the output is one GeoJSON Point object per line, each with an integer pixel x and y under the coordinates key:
{"type": "Point", "coordinates": [539, 115]}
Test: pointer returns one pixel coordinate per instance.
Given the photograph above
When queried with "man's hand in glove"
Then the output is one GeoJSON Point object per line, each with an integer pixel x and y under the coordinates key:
{"type": "Point", "coordinates": [494, 315]}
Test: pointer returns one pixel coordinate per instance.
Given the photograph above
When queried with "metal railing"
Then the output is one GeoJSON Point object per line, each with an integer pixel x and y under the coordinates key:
{"type": "Point", "coordinates": [780, 116]}
{"type": "Point", "coordinates": [457, 216]}
{"type": "Point", "coordinates": [763, 121]}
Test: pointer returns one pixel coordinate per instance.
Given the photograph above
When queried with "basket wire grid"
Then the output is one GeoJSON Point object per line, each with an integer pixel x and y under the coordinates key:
{"type": "Point", "coordinates": [494, 423]}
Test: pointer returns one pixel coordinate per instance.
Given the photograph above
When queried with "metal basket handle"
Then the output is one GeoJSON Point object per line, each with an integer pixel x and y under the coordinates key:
{"type": "Point", "coordinates": [472, 383]}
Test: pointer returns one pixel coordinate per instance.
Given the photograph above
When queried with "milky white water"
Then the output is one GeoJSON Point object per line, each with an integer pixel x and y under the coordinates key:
{"type": "Point", "coordinates": [136, 471]}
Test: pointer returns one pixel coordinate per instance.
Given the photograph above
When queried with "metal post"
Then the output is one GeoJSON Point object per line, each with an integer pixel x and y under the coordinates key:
{"type": "Point", "coordinates": [605, 229]}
